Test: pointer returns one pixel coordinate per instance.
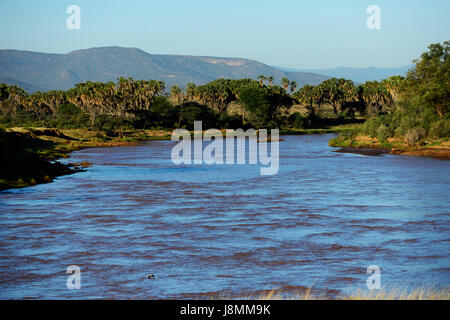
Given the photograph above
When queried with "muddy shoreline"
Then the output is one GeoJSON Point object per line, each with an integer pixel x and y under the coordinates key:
{"type": "Point", "coordinates": [374, 152]}
{"type": "Point", "coordinates": [441, 154]}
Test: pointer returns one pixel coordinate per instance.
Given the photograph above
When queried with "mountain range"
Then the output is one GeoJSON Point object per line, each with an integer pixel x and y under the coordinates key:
{"type": "Point", "coordinates": [358, 75]}
{"type": "Point", "coordinates": [35, 71]}
{"type": "Point", "coordinates": [43, 71]}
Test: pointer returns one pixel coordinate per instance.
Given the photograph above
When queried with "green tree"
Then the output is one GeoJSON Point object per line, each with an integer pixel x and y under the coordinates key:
{"type": "Point", "coordinates": [293, 86]}
{"type": "Point", "coordinates": [190, 91]}
{"type": "Point", "coordinates": [12, 97]}
{"type": "Point", "coordinates": [428, 83]}
{"type": "Point", "coordinates": [255, 101]}
{"type": "Point", "coordinates": [176, 93]}
{"type": "Point", "coordinates": [285, 83]}
{"type": "Point", "coordinates": [376, 97]}
{"type": "Point", "coordinates": [261, 79]}
{"type": "Point", "coordinates": [337, 91]}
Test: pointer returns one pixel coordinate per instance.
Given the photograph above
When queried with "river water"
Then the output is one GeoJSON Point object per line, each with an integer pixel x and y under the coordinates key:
{"type": "Point", "coordinates": [225, 230]}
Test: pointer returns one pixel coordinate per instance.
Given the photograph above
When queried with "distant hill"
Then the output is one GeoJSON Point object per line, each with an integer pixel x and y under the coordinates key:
{"type": "Point", "coordinates": [359, 75]}
{"type": "Point", "coordinates": [26, 86]}
{"type": "Point", "coordinates": [42, 71]}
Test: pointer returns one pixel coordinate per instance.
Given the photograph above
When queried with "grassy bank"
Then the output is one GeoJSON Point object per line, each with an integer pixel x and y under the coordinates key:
{"type": "Point", "coordinates": [341, 128]}
{"type": "Point", "coordinates": [437, 148]}
{"type": "Point", "coordinates": [28, 154]}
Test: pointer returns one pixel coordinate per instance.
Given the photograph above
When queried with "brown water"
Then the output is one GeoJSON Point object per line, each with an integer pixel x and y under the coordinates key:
{"type": "Point", "coordinates": [226, 230]}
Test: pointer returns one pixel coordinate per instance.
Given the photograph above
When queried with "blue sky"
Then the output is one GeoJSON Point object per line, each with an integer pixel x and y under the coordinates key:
{"type": "Point", "coordinates": [288, 33]}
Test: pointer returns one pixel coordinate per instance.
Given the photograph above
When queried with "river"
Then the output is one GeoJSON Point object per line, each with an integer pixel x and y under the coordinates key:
{"type": "Point", "coordinates": [225, 230]}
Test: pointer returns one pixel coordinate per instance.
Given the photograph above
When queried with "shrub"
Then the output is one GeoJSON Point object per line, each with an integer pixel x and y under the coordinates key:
{"type": "Point", "coordinates": [371, 126]}
{"type": "Point", "coordinates": [415, 135]}
{"type": "Point", "coordinates": [350, 135]}
{"type": "Point", "coordinates": [192, 111]}
{"type": "Point", "coordinates": [383, 133]}
{"type": "Point", "coordinates": [231, 121]}
{"type": "Point", "coordinates": [68, 116]}
{"type": "Point", "coordinates": [296, 120]}
{"type": "Point", "coordinates": [440, 129]}
{"type": "Point", "coordinates": [105, 122]}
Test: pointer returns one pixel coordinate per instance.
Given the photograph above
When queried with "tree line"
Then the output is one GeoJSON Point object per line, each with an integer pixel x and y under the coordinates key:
{"type": "Point", "coordinates": [422, 105]}
{"type": "Point", "coordinates": [143, 103]}
{"type": "Point", "coordinates": [133, 103]}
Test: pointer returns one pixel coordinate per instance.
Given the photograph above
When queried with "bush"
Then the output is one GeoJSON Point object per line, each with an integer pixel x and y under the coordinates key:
{"type": "Point", "coordinates": [192, 111]}
{"type": "Point", "coordinates": [231, 121]}
{"type": "Point", "coordinates": [406, 123]}
{"type": "Point", "coordinates": [349, 135]}
{"type": "Point", "coordinates": [383, 133]}
{"type": "Point", "coordinates": [371, 126]}
{"type": "Point", "coordinates": [162, 114]}
{"type": "Point", "coordinates": [415, 135]}
{"type": "Point", "coordinates": [105, 122]}
{"type": "Point", "coordinates": [296, 120]}
{"type": "Point", "coordinates": [440, 129]}
{"type": "Point", "coordinates": [69, 116]}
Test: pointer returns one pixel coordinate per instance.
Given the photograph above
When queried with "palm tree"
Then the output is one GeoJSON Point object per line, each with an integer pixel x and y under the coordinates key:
{"type": "Point", "coordinates": [285, 83]}
{"type": "Point", "coordinates": [305, 95]}
{"type": "Point", "coordinates": [293, 85]}
{"type": "Point", "coordinates": [36, 105]}
{"type": "Point", "coordinates": [336, 92]}
{"type": "Point", "coordinates": [393, 85]}
{"type": "Point", "coordinates": [53, 99]}
{"type": "Point", "coordinates": [176, 93]}
{"type": "Point", "coordinates": [16, 97]}
{"type": "Point", "coordinates": [375, 96]}
{"type": "Point", "coordinates": [261, 79]}
{"type": "Point", "coordinates": [190, 91]}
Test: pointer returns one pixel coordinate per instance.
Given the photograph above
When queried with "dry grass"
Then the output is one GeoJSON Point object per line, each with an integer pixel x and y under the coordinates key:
{"type": "Point", "coordinates": [395, 293]}
{"type": "Point", "coordinates": [278, 295]}
{"type": "Point", "coordinates": [285, 293]}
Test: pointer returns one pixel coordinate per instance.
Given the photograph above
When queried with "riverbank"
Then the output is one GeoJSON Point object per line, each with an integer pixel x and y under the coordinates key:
{"type": "Point", "coordinates": [29, 154]}
{"type": "Point", "coordinates": [362, 144]}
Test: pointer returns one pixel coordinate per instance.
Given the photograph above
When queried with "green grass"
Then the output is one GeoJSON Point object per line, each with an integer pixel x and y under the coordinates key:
{"type": "Point", "coordinates": [332, 129]}
{"type": "Point", "coordinates": [348, 140]}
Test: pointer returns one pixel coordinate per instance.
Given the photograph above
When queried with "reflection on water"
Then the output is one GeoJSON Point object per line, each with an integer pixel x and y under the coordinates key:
{"type": "Point", "coordinates": [213, 230]}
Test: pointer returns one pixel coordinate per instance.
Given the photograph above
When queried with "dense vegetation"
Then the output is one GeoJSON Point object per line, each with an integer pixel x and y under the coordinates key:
{"type": "Point", "coordinates": [231, 103]}
{"type": "Point", "coordinates": [422, 105]}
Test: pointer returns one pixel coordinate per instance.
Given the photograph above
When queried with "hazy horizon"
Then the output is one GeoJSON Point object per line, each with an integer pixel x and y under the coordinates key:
{"type": "Point", "coordinates": [282, 67]}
